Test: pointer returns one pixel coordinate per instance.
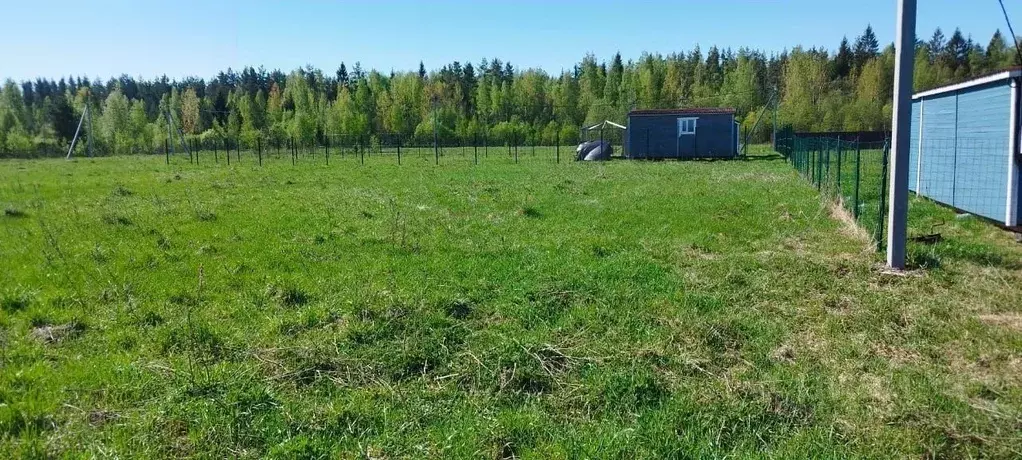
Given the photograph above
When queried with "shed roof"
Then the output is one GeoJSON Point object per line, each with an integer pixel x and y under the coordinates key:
{"type": "Point", "coordinates": [1011, 72]}
{"type": "Point", "coordinates": [686, 111]}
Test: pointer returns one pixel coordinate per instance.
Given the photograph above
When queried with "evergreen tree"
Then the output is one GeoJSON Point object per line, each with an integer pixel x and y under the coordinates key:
{"type": "Point", "coordinates": [866, 47]}
{"type": "Point", "coordinates": [998, 54]}
{"type": "Point", "coordinates": [342, 75]}
{"type": "Point", "coordinates": [842, 66]}
{"type": "Point", "coordinates": [936, 43]}
{"type": "Point", "coordinates": [956, 52]}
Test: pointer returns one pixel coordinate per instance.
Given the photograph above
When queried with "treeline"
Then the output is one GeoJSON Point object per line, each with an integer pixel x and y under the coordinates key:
{"type": "Point", "coordinates": [849, 89]}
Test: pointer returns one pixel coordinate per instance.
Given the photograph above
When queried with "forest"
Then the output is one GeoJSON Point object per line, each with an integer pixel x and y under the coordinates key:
{"type": "Point", "coordinates": [816, 90]}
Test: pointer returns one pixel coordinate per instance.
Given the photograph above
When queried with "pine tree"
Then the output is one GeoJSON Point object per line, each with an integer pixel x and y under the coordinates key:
{"type": "Point", "coordinates": [842, 66]}
{"type": "Point", "coordinates": [342, 75]}
{"type": "Point", "coordinates": [936, 43]}
{"type": "Point", "coordinates": [956, 52]}
{"type": "Point", "coordinates": [866, 47]}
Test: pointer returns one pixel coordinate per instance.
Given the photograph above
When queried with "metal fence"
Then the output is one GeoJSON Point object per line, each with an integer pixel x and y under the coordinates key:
{"type": "Point", "coordinates": [517, 146]}
{"type": "Point", "coordinates": [852, 173]}
{"type": "Point", "coordinates": [384, 147]}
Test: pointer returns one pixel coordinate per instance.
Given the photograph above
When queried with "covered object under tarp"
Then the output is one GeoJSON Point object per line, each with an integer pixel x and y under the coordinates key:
{"type": "Point", "coordinates": [594, 151]}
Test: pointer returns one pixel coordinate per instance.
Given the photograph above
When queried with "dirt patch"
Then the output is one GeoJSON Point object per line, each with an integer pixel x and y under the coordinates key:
{"type": "Point", "coordinates": [56, 334]}
{"type": "Point", "coordinates": [784, 354]}
{"type": "Point", "coordinates": [102, 417]}
{"type": "Point", "coordinates": [1011, 321]}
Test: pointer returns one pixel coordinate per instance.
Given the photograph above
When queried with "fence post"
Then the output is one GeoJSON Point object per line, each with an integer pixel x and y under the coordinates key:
{"type": "Point", "coordinates": [215, 157]}
{"type": "Point", "coordinates": [819, 166]}
{"type": "Point", "coordinates": [166, 150]}
{"type": "Point", "coordinates": [815, 159]}
{"type": "Point", "coordinates": [399, 150]}
{"type": "Point", "coordinates": [840, 190]}
{"type": "Point", "coordinates": [259, 148]}
{"type": "Point", "coordinates": [363, 152]}
{"type": "Point", "coordinates": [475, 146]}
{"type": "Point", "coordinates": [826, 171]}
{"type": "Point", "coordinates": [883, 199]}
{"type": "Point", "coordinates": [514, 140]}
{"type": "Point", "coordinates": [227, 151]}
{"type": "Point", "coordinates": [326, 141]}
{"type": "Point", "coordinates": [436, 146]}
{"type": "Point", "coordinates": [294, 152]}
{"type": "Point", "coordinates": [858, 169]}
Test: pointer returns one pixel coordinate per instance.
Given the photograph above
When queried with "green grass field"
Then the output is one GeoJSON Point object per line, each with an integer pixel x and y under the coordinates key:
{"type": "Point", "coordinates": [543, 310]}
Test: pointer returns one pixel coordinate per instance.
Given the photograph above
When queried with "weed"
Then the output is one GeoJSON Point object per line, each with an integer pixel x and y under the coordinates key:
{"type": "Point", "coordinates": [287, 295]}
{"type": "Point", "coordinates": [15, 300]}
{"type": "Point", "coordinates": [14, 212]}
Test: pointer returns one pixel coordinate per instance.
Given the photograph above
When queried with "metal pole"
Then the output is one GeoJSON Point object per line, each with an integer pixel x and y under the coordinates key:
{"type": "Point", "coordinates": [77, 130]}
{"type": "Point", "coordinates": [827, 166]}
{"type": "Point", "coordinates": [557, 146]}
{"type": "Point", "coordinates": [259, 148]}
{"type": "Point", "coordinates": [514, 140]}
{"type": "Point", "coordinates": [840, 191]}
{"type": "Point", "coordinates": [166, 150]}
{"type": "Point", "coordinates": [883, 198]}
{"type": "Point", "coordinates": [858, 169]}
{"type": "Point", "coordinates": [904, 58]}
{"type": "Point", "coordinates": [399, 151]}
{"type": "Point", "coordinates": [227, 151]}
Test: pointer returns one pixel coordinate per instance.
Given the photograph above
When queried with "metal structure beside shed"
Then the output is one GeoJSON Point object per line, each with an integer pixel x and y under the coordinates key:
{"type": "Point", "coordinates": [965, 146]}
{"type": "Point", "coordinates": [682, 134]}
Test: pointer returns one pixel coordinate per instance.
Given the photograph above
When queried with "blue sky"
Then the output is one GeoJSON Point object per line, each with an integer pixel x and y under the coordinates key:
{"type": "Point", "coordinates": [180, 38]}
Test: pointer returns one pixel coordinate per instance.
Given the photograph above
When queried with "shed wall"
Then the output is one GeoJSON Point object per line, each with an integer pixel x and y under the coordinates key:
{"type": "Point", "coordinates": [960, 147]}
{"type": "Point", "coordinates": [656, 137]}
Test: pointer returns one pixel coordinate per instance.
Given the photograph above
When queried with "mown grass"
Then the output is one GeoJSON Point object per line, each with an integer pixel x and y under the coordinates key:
{"type": "Point", "coordinates": [627, 309]}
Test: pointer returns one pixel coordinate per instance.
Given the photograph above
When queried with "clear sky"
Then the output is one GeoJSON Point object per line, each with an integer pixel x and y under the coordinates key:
{"type": "Point", "coordinates": [145, 38]}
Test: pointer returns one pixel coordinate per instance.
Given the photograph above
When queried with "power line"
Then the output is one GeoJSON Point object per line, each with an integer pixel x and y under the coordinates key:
{"type": "Point", "coordinates": [1014, 39]}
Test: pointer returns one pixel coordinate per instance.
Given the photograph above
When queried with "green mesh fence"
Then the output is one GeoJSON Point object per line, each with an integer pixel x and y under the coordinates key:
{"type": "Point", "coordinates": [852, 173]}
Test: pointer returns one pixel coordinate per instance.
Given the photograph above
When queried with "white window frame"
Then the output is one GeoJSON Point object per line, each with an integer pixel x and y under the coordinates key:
{"type": "Point", "coordinates": [683, 128]}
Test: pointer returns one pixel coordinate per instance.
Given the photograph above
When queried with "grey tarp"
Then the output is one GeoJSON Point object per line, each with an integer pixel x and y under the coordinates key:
{"type": "Point", "coordinates": [594, 151]}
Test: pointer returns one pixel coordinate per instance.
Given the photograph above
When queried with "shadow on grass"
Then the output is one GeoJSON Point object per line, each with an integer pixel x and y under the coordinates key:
{"type": "Point", "coordinates": [933, 256]}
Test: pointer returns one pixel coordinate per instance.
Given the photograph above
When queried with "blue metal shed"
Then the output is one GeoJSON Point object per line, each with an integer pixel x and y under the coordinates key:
{"type": "Point", "coordinates": [965, 147]}
{"type": "Point", "coordinates": [682, 133]}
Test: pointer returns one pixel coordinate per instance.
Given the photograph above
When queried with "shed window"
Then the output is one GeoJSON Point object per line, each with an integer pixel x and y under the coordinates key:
{"type": "Point", "coordinates": [686, 126]}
